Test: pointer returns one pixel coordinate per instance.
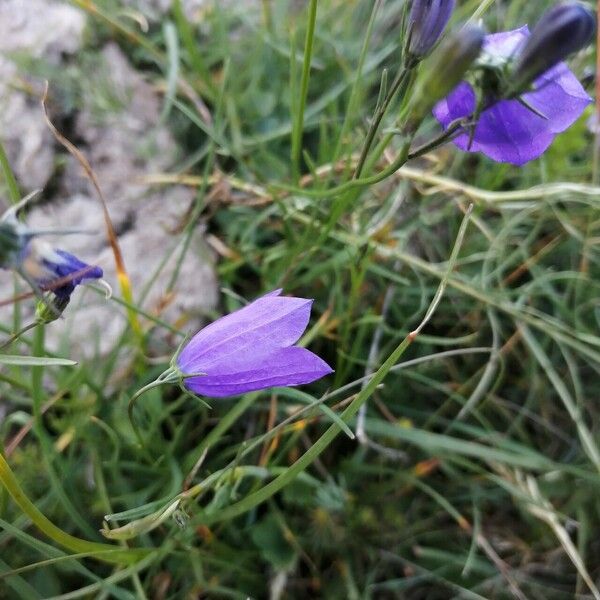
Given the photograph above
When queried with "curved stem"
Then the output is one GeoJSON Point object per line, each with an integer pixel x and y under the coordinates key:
{"type": "Point", "coordinates": [162, 379]}
{"type": "Point", "coordinates": [444, 137]}
{"type": "Point", "coordinates": [105, 552]}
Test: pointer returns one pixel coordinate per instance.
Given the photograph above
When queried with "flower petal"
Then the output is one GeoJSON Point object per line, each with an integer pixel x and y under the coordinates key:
{"type": "Point", "coordinates": [505, 44]}
{"type": "Point", "coordinates": [276, 292]}
{"type": "Point", "coordinates": [509, 131]}
{"type": "Point", "coordinates": [267, 323]}
{"type": "Point", "coordinates": [284, 367]}
{"type": "Point", "coordinates": [559, 97]}
{"type": "Point", "coordinates": [46, 266]}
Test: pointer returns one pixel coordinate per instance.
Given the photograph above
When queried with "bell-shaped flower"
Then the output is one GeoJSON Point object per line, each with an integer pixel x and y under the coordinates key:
{"type": "Point", "coordinates": [426, 22]}
{"type": "Point", "coordinates": [46, 268]}
{"type": "Point", "coordinates": [252, 349]}
{"type": "Point", "coordinates": [56, 270]}
{"type": "Point", "coordinates": [515, 130]}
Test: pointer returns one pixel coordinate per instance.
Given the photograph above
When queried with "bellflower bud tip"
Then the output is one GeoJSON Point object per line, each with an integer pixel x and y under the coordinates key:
{"type": "Point", "coordinates": [426, 22]}
{"type": "Point", "coordinates": [563, 30]}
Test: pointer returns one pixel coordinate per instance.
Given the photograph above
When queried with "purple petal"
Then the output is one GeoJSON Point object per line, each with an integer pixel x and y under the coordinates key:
{"type": "Point", "coordinates": [560, 97]}
{"type": "Point", "coordinates": [59, 264]}
{"type": "Point", "coordinates": [505, 44]}
{"type": "Point", "coordinates": [71, 264]}
{"type": "Point", "coordinates": [267, 323]}
{"type": "Point", "coordinates": [426, 21]}
{"type": "Point", "coordinates": [276, 292]}
{"type": "Point", "coordinates": [509, 131]}
{"type": "Point", "coordinates": [251, 372]}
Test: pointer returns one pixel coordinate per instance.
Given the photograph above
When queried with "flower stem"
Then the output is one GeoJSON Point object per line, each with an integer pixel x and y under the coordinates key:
{"type": "Point", "coordinates": [9, 178]}
{"type": "Point", "coordinates": [105, 552]}
{"type": "Point", "coordinates": [401, 80]}
{"type": "Point", "coordinates": [168, 376]}
{"type": "Point", "coordinates": [299, 120]}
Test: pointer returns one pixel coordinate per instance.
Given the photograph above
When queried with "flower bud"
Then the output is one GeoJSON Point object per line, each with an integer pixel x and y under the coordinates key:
{"type": "Point", "coordinates": [562, 30]}
{"type": "Point", "coordinates": [445, 69]}
{"type": "Point", "coordinates": [426, 21]}
{"type": "Point", "coordinates": [50, 308]}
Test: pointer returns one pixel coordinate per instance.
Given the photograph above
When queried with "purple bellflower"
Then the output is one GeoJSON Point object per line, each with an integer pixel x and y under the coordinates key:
{"type": "Point", "coordinates": [515, 130]}
{"type": "Point", "coordinates": [251, 349]}
{"type": "Point", "coordinates": [57, 270]}
{"type": "Point", "coordinates": [43, 266]}
{"type": "Point", "coordinates": [426, 22]}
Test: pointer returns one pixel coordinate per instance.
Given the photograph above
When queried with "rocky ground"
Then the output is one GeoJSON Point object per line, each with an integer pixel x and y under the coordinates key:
{"type": "Point", "coordinates": [123, 145]}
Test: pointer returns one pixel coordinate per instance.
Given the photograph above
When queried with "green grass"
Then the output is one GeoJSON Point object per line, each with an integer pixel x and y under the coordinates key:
{"type": "Point", "coordinates": [475, 472]}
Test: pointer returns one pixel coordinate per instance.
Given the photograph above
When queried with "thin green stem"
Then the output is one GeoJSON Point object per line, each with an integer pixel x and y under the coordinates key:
{"type": "Point", "coordinates": [299, 120]}
{"type": "Point", "coordinates": [221, 427]}
{"type": "Point", "coordinates": [105, 552]}
{"type": "Point", "coordinates": [314, 452]}
{"type": "Point", "coordinates": [444, 137]}
{"type": "Point", "coordinates": [47, 448]}
{"type": "Point", "coordinates": [354, 92]}
{"type": "Point", "coordinates": [399, 82]}
{"type": "Point", "coordinates": [11, 182]}
{"type": "Point", "coordinates": [163, 379]}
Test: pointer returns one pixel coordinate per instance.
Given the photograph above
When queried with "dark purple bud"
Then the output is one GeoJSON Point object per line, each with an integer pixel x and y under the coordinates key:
{"type": "Point", "coordinates": [445, 69]}
{"type": "Point", "coordinates": [562, 30]}
{"type": "Point", "coordinates": [426, 22]}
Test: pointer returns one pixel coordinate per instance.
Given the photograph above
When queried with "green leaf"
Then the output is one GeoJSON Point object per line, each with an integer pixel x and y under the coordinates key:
{"type": "Point", "coordinates": [35, 361]}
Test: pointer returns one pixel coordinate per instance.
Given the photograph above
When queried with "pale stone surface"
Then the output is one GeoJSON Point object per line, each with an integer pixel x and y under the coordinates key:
{"type": "Point", "coordinates": [123, 143]}
{"type": "Point", "coordinates": [39, 28]}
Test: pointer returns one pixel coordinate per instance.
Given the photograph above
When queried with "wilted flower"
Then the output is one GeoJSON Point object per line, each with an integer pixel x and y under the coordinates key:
{"type": "Point", "coordinates": [515, 130]}
{"type": "Point", "coordinates": [426, 22]}
{"type": "Point", "coordinates": [563, 30]}
{"type": "Point", "coordinates": [56, 270]}
{"type": "Point", "coordinates": [252, 349]}
{"type": "Point", "coordinates": [22, 250]}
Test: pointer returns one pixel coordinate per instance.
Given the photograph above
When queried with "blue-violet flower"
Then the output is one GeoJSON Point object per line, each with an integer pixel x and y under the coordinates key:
{"type": "Point", "coordinates": [252, 349]}
{"type": "Point", "coordinates": [57, 270]}
{"type": "Point", "coordinates": [47, 268]}
{"type": "Point", "coordinates": [511, 130]}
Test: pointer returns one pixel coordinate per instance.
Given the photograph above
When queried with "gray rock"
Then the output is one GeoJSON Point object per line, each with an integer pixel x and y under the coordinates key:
{"type": "Point", "coordinates": [39, 28]}
{"type": "Point", "coordinates": [123, 143]}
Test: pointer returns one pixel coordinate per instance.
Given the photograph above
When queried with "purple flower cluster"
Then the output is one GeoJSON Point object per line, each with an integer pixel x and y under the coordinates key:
{"type": "Point", "coordinates": [252, 349]}
{"type": "Point", "coordinates": [512, 130]}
